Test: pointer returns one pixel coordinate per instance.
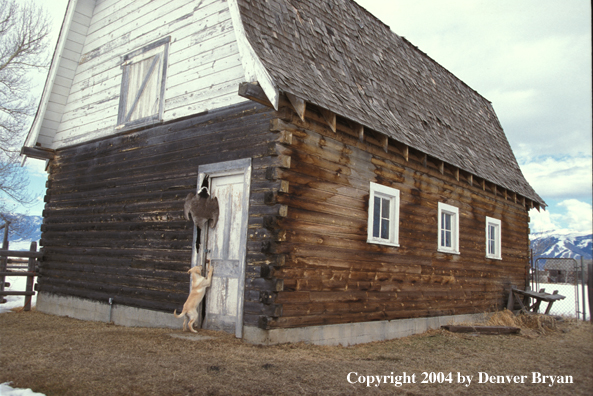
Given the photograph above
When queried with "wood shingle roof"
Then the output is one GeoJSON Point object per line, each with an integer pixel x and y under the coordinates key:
{"type": "Point", "coordinates": [336, 55]}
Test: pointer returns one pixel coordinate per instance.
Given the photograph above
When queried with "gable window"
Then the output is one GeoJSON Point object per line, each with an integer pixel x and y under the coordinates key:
{"type": "Point", "coordinates": [448, 223]}
{"type": "Point", "coordinates": [493, 233]}
{"type": "Point", "coordinates": [383, 221]}
{"type": "Point", "coordinates": [143, 85]}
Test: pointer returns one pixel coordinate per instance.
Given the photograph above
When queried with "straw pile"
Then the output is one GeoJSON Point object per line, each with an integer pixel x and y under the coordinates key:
{"type": "Point", "coordinates": [529, 323]}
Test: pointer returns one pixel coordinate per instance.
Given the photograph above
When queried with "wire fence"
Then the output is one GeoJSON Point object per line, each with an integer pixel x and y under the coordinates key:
{"type": "Point", "coordinates": [569, 278]}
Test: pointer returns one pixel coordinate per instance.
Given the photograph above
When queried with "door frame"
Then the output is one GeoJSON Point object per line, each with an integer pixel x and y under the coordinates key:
{"type": "Point", "coordinates": [221, 169]}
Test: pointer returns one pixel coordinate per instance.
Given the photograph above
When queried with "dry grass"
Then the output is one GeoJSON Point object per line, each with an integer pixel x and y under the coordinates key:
{"type": "Point", "coordinates": [63, 356]}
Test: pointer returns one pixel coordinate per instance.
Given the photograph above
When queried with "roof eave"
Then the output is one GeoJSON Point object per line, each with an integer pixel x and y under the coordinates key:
{"type": "Point", "coordinates": [33, 135]}
{"type": "Point", "coordinates": [255, 71]}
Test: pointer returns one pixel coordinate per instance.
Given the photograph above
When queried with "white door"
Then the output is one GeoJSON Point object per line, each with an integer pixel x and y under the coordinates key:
{"type": "Point", "coordinates": [224, 298]}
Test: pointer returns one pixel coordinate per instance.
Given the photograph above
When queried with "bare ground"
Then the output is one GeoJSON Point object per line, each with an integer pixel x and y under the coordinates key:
{"type": "Point", "coordinates": [64, 356]}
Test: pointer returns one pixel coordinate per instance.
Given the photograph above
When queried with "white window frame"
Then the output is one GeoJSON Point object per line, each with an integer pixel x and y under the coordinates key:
{"type": "Point", "coordinates": [130, 96]}
{"type": "Point", "coordinates": [497, 255]}
{"type": "Point", "coordinates": [453, 211]}
{"type": "Point", "coordinates": [393, 196]}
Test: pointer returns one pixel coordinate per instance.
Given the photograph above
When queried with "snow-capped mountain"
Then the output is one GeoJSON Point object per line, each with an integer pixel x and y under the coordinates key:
{"type": "Point", "coordinates": [562, 245]}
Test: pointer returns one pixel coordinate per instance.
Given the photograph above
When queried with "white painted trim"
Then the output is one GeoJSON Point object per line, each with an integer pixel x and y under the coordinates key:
{"type": "Point", "coordinates": [498, 224]}
{"type": "Point", "coordinates": [228, 168]}
{"type": "Point", "coordinates": [33, 135]}
{"type": "Point", "coordinates": [454, 249]}
{"type": "Point", "coordinates": [394, 196]}
{"type": "Point", "coordinates": [254, 68]}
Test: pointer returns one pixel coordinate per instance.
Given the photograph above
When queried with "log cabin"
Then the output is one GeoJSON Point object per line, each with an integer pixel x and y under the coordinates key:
{"type": "Point", "coordinates": [365, 192]}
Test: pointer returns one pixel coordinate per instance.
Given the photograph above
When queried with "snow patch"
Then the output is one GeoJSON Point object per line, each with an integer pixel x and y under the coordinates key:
{"type": "Point", "coordinates": [17, 283]}
{"type": "Point", "coordinates": [7, 390]}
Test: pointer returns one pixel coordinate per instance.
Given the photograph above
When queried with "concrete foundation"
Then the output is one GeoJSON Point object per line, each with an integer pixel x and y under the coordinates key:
{"type": "Point", "coordinates": [338, 334]}
{"type": "Point", "coordinates": [122, 315]}
{"type": "Point", "coordinates": [353, 333]}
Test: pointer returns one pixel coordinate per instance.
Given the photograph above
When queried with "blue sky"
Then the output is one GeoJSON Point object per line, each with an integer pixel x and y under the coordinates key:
{"type": "Point", "coordinates": [530, 58]}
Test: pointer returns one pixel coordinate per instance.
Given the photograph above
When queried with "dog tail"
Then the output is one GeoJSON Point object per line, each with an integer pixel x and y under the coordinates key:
{"type": "Point", "coordinates": [178, 316]}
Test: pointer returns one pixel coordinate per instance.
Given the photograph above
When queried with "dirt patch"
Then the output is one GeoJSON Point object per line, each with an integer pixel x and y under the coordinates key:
{"type": "Point", "coordinates": [63, 356]}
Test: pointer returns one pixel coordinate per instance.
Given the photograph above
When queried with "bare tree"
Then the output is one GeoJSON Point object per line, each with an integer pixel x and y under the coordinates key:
{"type": "Point", "coordinates": [24, 30]}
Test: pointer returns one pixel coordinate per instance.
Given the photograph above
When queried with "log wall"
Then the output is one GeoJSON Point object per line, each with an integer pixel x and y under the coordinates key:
{"type": "Point", "coordinates": [330, 274]}
{"type": "Point", "coordinates": [113, 221]}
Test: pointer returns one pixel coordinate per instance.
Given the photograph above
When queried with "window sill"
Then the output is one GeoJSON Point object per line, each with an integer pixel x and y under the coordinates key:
{"type": "Point", "coordinates": [494, 258]}
{"type": "Point", "coordinates": [379, 242]}
{"type": "Point", "coordinates": [448, 251]}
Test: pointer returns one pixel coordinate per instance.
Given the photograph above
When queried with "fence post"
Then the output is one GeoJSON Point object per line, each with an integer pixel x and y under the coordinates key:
{"type": "Point", "coordinates": [583, 289]}
{"type": "Point", "coordinates": [31, 268]}
{"type": "Point", "coordinates": [3, 260]}
{"type": "Point", "coordinates": [590, 271]}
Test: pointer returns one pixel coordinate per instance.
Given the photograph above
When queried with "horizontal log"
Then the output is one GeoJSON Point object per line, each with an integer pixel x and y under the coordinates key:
{"type": "Point", "coordinates": [122, 201]}
{"type": "Point", "coordinates": [155, 135]}
{"type": "Point", "coordinates": [103, 297]}
{"type": "Point", "coordinates": [153, 172]}
{"type": "Point", "coordinates": [136, 254]}
{"type": "Point", "coordinates": [254, 92]}
{"type": "Point", "coordinates": [103, 280]}
{"type": "Point", "coordinates": [116, 243]}
{"type": "Point", "coordinates": [138, 160]}
{"type": "Point", "coordinates": [114, 290]}
{"type": "Point", "coordinates": [350, 138]}
{"type": "Point", "coordinates": [492, 330]}
{"type": "Point", "coordinates": [79, 260]}
{"type": "Point", "coordinates": [169, 185]}
{"type": "Point", "coordinates": [19, 253]}
{"type": "Point", "coordinates": [16, 293]}
{"type": "Point", "coordinates": [333, 308]}
{"type": "Point", "coordinates": [17, 273]}
{"type": "Point", "coordinates": [166, 217]}
{"type": "Point", "coordinates": [146, 144]}
{"type": "Point", "coordinates": [178, 274]}
{"type": "Point", "coordinates": [38, 153]}
{"type": "Point", "coordinates": [182, 227]}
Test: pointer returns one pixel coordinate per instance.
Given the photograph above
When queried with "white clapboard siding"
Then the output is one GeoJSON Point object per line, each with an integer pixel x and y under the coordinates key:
{"type": "Point", "coordinates": [64, 70]}
{"type": "Point", "coordinates": [203, 70]}
{"type": "Point", "coordinates": [104, 16]}
{"type": "Point", "coordinates": [220, 95]}
{"type": "Point", "coordinates": [180, 93]}
{"type": "Point", "coordinates": [113, 70]}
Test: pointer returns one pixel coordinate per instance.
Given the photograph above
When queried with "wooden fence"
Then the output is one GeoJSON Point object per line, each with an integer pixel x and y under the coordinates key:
{"type": "Point", "coordinates": [31, 272]}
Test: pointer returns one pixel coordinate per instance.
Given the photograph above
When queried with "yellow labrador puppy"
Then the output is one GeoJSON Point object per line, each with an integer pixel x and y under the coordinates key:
{"type": "Point", "coordinates": [198, 289]}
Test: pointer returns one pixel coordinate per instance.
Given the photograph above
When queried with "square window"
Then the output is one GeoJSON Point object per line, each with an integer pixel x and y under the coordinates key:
{"type": "Point", "coordinates": [448, 223]}
{"type": "Point", "coordinates": [143, 85]}
{"type": "Point", "coordinates": [383, 221]}
{"type": "Point", "coordinates": [493, 235]}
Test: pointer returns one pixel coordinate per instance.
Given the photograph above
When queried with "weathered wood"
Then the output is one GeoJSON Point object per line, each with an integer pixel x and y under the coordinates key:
{"type": "Point", "coordinates": [134, 300]}
{"type": "Point", "coordinates": [298, 104]}
{"type": "Point", "coordinates": [254, 92]}
{"type": "Point", "coordinates": [16, 293]}
{"type": "Point", "coordinates": [326, 245]}
{"type": "Point", "coordinates": [38, 153]}
{"type": "Point", "coordinates": [18, 273]}
{"type": "Point", "coordinates": [490, 330]}
{"type": "Point", "coordinates": [210, 33]}
{"type": "Point", "coordinates": [330, 118]}
{"type": "Point", "coordinates": [119, 229]}
{"type": "Point", "coordinates": [19, 253]}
